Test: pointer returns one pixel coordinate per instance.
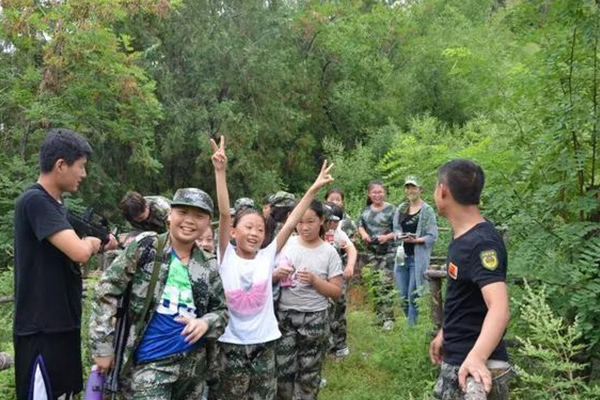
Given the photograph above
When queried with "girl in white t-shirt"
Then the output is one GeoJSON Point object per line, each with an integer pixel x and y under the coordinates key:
{"type": "Point", "coordinates": [248, 344]}
{"type": "Point", "coordinates": [302, 307]}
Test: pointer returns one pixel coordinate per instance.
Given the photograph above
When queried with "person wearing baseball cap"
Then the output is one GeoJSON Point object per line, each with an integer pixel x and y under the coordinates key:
{"type": "Point", "coordinates": [282, 204]}
{"type": "Point", "coordinates": [165, 354]}
{"type": "Point", "coordinates": [415, 226]}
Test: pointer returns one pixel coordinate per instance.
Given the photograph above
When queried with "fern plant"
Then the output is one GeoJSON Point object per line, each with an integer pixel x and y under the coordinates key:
{"type": "Point", "coordinates": [548, 351]}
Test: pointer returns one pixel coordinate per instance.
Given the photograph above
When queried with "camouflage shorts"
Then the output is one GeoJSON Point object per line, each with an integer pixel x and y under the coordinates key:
{"type": "Point", "coordinates": [248, 372]}
{"type": "Point", "coordinates": [300, 353]}
{"type": "Point", "coordinates": [447, 387]}
{"type": "Point", "coordinates": [179, 377]}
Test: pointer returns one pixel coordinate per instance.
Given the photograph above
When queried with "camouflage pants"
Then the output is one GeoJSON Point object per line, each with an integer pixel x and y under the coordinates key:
{"type": "Point", "coordinates": [300, 353]}
{"type": "Point", "coordinates": [179, 377]}
{"type": "Point", "coordinates": [215, 368]}
{"type": "Point", "coordinates": [248, 372]}
{"type": "Point", "coordinates": [384, 303]}
{"type": "Point", "coordinates": [337, 322]}
{"type": "Point", "coordinates": [447, 387]}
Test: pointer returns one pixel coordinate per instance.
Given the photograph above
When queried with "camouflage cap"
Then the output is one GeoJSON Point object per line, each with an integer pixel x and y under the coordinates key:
{"type": "Point", "coordinates": [243, 202]}
{"type": "Point", "coordinates": [194, 198]}
{"type": "Point", "coordinates": [283, 199]}
{"type": "Point", "coordinates": [412, 180]}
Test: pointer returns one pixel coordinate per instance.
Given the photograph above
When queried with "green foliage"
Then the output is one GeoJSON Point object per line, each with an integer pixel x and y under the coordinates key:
{"type": "Point", "coordinates": [371, 280]}
{"type": "Point", "coordinates": [382, 365]}
{"type": "Point", "coordinates": [547, 352]}
{"type": "Point", "coordinates": [382, 90]}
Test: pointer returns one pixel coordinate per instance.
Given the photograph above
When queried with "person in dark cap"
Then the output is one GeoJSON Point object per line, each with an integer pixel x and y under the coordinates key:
{"type": "Point", "coordinates": [282, 204]}
{"type": "Point", "coordinates": [165, 355]}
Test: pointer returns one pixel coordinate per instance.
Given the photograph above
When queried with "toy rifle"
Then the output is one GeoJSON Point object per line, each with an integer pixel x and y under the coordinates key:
{"type": "Point", "coordinates": [111, 386]}
{"type": "Point", "coordinates": [123, 324]}
{"type": "Point", "coordinates": [90, 224]}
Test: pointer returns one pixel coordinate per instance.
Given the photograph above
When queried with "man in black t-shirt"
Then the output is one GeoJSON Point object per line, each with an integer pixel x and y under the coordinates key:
{"type": "Point", "coordinates": [476, 312]}
{"type": "Point", "coordinates": [48, 284]}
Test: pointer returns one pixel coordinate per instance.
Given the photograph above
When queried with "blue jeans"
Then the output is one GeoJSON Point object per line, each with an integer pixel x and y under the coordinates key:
{"type": "Point", "coordinates": [407, 286]}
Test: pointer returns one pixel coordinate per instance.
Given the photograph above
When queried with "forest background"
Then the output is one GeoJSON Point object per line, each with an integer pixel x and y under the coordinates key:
{"type": "Point", "coordinates": [382, 88]}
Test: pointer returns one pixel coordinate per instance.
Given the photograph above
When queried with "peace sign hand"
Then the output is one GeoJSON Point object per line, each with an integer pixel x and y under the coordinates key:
{"type": "Point", "coordinates": [219, 158]}
{"type": "Point", "coordinates": [324, 176]}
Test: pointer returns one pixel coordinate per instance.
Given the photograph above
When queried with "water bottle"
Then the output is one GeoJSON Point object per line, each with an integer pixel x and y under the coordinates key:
{"type": "Point", "coordinates": [95, 385]}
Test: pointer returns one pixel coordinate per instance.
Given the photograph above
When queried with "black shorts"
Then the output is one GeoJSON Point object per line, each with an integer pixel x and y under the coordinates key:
{"type": "Point", "coordinates": [56, 358]}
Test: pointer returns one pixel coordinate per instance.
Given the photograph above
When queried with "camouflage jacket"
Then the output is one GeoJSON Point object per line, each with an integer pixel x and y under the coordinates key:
{"type": "Point", "coordinates": [135, 265]}
{"type": "Point", "coordinates": [160, 207]}
{"type": "Point", "coordinates": [348, 226]}
{"type": "Point", "coordinates": [379, 223]}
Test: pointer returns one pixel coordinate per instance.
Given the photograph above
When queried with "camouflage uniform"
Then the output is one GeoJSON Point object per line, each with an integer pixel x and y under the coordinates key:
{"type": "Point", "coordinates": [381, 257]}
{"type": "Point", "coordinates": [447, 387]}
{"type": "Point", "coordinates": [348, 226]}
{"type": "Point", "coordinates": [243, 202]}
{"type": "Point", "coordinates": [282, 199]}
{"type": "Point", "coordinates": [300, 353]}
{"type": "Point", "coordinates": [160, 207]}
{"type": "Point", "coordinates": [215, 368]}
{"type": "Point", "coordinates": [180, 376]}
{"type": "Point", "coordinates": [248, 372]}
{"type": "Point", "coordinates": [337, 322]}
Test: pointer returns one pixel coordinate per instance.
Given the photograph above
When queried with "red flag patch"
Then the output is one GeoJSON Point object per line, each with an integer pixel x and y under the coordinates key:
{"type": "Point", "coordinates": [453, 271]}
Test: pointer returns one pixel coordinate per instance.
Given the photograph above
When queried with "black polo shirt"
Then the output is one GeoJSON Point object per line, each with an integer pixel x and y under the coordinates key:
{"type": "Point", "coordinates": [475, 259]}
{"type": "Point", "coordinates": [48, 284]}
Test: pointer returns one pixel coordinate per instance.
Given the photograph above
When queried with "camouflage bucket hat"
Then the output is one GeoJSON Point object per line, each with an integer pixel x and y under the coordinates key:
{"type": "Point", "coordinates": [283, 199]}
{"type": "Point", "coordinates": [243, 202]}
{"type": "Point", "coordinates": [194, 198]}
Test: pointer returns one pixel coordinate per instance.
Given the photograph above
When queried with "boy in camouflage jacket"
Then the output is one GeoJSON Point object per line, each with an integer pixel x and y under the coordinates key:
{"type": "Point", "coordinates": [172, 366]}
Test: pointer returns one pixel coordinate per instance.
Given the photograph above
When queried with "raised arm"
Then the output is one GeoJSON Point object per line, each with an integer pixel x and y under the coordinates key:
{"type": "Point", "coordinates": [219, 160]}
{"type": "Point", "coordinates": [352, 257]}
{"type": "Point", "coordinates": [323, 179]}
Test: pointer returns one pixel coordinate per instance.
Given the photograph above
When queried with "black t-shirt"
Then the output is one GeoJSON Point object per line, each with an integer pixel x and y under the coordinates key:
{"type": "Point", "coordinates": [475, 259]}
{"type": "Point", "coordinates": [409, 225]}
{"type": "Point", "coordinates": [47, 283]}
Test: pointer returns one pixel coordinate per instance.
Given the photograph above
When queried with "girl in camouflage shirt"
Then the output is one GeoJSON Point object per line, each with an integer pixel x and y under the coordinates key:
{"type": "Point", "coordinates": [376, 230]}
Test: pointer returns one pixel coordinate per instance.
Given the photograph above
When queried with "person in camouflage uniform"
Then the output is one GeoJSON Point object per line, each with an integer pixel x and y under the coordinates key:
{"type": "Point", "coordinates": [338, 345]}
{"type": "Point", "coordinates": [161, 362]}
{"type": "Point", "coordinates": [282, 204]}
{"type": "Point", "coordinates": [376, 230]}
{"type": "Point", "coordinates": [146, 213]}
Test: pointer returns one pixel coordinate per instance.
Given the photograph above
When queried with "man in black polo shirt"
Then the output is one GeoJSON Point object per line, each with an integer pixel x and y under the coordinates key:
{"type": "Point", "coordinates": [476, 312]}
{"type": "Point", "coordinates": [48, 284]}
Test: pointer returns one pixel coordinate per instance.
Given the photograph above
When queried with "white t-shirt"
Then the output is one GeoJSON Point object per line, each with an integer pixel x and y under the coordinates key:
{"type": "Point", "coordinates": [249, 296]}
{"type": "Point", "coordinates": [323, 261]}
{"type": "Point", "coordinates": [341, 239]}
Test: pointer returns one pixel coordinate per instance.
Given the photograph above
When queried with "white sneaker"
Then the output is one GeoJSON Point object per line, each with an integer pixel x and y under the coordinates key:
{"type": "Point", "coordinates": [323, 383]}
{"type": "Point", "coordinates": [342, 352]}
{"type": "Point", "coordinates": [388, 325]}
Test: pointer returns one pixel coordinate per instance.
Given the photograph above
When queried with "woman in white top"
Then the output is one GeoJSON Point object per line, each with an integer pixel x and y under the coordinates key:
{"type": "Point", "coordinates": [247, 346]}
